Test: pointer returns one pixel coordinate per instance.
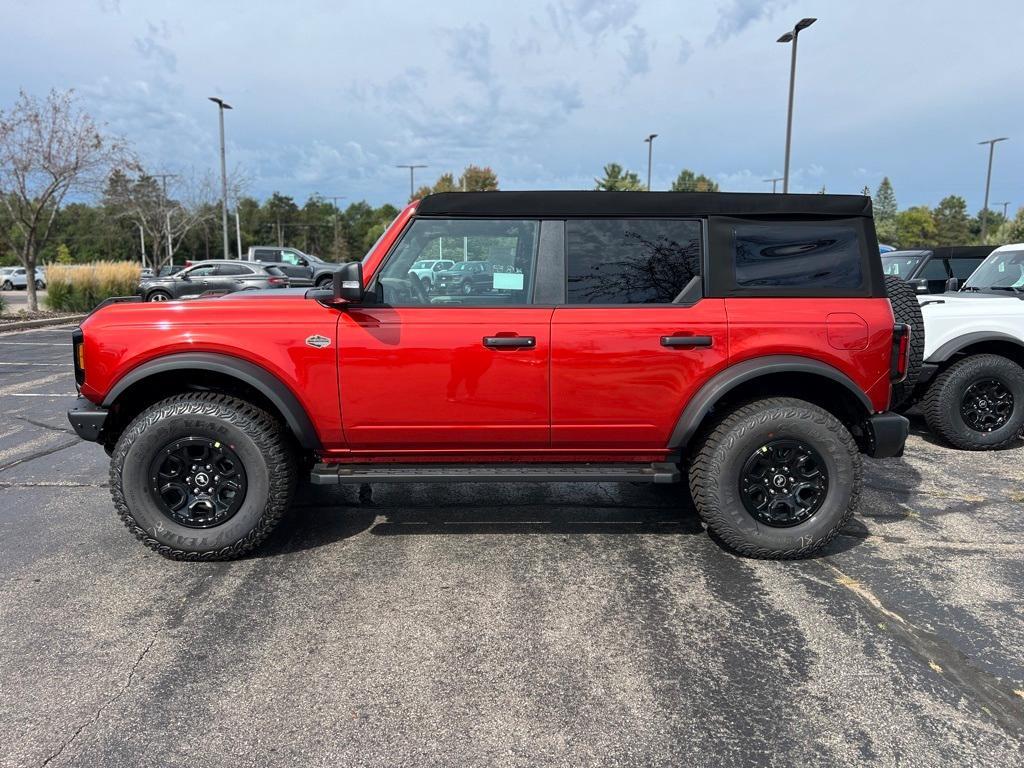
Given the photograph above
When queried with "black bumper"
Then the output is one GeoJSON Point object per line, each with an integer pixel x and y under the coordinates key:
{"type": "Point", "coordinates": [87, 418]}
{"type": "Point", "coordinates": [887, 433]}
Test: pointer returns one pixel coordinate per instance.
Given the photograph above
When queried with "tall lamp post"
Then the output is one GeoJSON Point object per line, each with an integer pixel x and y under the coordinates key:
{"type": "Point", "coordinates": [774, 181]}
{"type": "Point", "coordinates": [650, 155]}
{"type": "Point", "coordinates": [1005, 204]}
{"type": "Point", "coordinates": [988, 180]}
{"type": "Point", "coordinates": [791, 37]}
{"type": "Point", "coordinates": [412, 177]}
{"type": "Point", "coordinates": [221, 106]}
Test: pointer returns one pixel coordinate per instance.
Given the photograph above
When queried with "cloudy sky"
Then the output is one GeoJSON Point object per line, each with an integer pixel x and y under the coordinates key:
{"type": "Point", "coordinates": [330, 96]}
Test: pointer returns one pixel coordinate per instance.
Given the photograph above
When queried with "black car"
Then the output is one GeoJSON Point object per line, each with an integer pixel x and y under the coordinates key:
{"type": "Point", "coordinates": [929, 270]}
{"type": "Point", "coordinates": [465, 277]}
{"type": "Point", "coordinates": [212, 278]}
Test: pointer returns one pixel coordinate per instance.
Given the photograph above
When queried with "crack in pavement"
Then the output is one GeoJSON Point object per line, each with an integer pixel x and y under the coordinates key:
{"type": "Point", "coordinates": [44, 425]}
{"type": "Point", "coordinates": [991, 694]}
{"type": "Point", "coordinates": [39, 454]}
{"type": "Point", "coordinates": [99, 710]}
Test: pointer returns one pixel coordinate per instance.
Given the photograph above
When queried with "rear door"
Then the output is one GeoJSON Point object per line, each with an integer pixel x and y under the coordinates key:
{"type": "Point", "coordinates": [634, 339]}
{"type": "Point", "coordinates": [428, 372]}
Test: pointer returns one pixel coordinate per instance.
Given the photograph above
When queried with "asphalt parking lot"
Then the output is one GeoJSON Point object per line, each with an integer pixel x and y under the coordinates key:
{"type": "Point", "coordinates": [18, 300]}
{"type": "Point", "coordinates": [502, 625]}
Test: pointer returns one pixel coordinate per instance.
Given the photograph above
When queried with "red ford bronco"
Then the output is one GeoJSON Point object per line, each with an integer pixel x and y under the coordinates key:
{"type": "Point", "coordinates": [742, 342]}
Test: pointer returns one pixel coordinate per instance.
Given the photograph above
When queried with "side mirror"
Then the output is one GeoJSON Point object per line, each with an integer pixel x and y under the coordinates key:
{"type": "Point", "coordinates": [348, 283]}
{"type": "Point", "coordinates": [953, 285]}
{"type": "Point", "coordinates": [184, 276]}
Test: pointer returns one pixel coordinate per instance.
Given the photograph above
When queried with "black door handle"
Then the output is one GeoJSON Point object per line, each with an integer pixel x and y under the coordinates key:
{"type": "Point", "coordinates": [499, 342]}
{"type": "Point", "coordinates": [686, 341]}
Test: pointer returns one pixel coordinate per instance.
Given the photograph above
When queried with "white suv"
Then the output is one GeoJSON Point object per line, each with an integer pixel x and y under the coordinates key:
{"type": "Point", "coordinates": [972, 381]}
{"type": "Point", "coordinates": [425, 269]}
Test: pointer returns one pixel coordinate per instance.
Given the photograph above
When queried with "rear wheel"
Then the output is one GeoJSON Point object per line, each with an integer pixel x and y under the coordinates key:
{"type": "Point", "coordinates": [977, 403]}
{"type": "Point", "coordinates": [202, 476]}
{"type": "Point", "coordinates": [8, 285]}
{"type": "Point", "coordinates": [776, 478]}
{"type": "Point", "coordinates": [907, 309]}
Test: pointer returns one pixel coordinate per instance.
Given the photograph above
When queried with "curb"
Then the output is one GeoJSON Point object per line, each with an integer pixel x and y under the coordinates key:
{"type": "Point", "coordinates": [26, 325]}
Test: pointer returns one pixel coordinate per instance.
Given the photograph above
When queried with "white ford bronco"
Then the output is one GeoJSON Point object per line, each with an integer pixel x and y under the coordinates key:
{"type": "Point", "coordinates": [971, 386]}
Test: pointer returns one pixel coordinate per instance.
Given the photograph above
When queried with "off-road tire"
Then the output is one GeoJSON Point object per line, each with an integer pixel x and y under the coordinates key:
{"type": "Point", "coordinates": [906, 309]}
{"type": "Point", "coordinates": [258, 439]}
{"type": "Point", "coordinates": [715, 477]}
{"type": "Point", "coordinates": [941, 403]}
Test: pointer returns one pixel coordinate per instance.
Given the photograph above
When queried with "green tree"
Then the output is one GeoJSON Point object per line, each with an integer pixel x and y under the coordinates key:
{"type": "Point", "coordinates": [995, 223]}
{"type": "Point", "coordinates": [1012, 230]}
{"type": "Point", "coordinates": [617, 179]}
{"type": "Point", "coordinates": [885, 208]}
{"type": "Point", "coordinates": [952, 224]}
{"type": "Point", "coordinates": [915, 228]}
{"type": "Point", "coordinates": [477, 179]}
{"type": "Point", "coordinates": [688, 181]}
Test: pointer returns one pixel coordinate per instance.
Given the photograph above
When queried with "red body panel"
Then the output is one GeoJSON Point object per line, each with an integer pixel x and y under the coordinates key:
{"type": "Point", "coordinates": [614, 386]}
{"type": "Point", "coordinates": [761, 327]}
{"type": "Point", "coordinates": [421, 377]}
{"type": "Point", "coordinates": [419, 381]}
{"type": "Point", "coordinates": [269, 332]}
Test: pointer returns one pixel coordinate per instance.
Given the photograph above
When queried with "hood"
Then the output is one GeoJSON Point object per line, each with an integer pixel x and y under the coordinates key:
{"type": "Point", "coordinates": [972, 303]}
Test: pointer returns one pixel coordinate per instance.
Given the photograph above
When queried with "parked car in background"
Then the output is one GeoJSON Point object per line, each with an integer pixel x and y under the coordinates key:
{"type": "Point", "coordinates": [466, 277]}
{"type": "Point", "coordinates": [302, 269]}
{"type": "Point", "coordinates": [883, 248]}
{"type": "Point", "coordinates": [220, 276]}
{"type": "Point", "coordinates": [929, 270]}
{"type": "Point", "coordinates": [15, 279]}
{"type": "Point", "coordinates": [426, 270]}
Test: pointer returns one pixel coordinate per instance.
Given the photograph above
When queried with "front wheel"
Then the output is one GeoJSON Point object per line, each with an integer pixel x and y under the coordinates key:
{"type": "Point", "coordinates": [777, 478]}
{"type": "Point", "coordinates": [159, 296]}
{"type": "Point", "coordinates": [202, 476]}
{"type": "Point", "coordinates": [977, 403]}
{"type": "Point", "coordinates": [325, 282]}
{"type": "Point", "coordinates": [40, 285]}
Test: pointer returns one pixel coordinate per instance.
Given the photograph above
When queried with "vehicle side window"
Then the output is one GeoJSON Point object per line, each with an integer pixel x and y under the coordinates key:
{"type": "Point", "coordinates": [630, 261]}
{"type": "Point", "coordinates": [290, 257]}
{"type": "Point", "coordinates": [201, 271]}
{"type": "Point", "coordinates": [266, 254]}
{"type": "Point", "coordinates": [233, 269]}
{"type": "Point", "coordinates": [487, 262]}
{"type": "Point", "coordinates": [964, 268]}
{"type": "Point", "coordinates": [796, 255]}
{"type": "Point", "coordinates": [935, 269]}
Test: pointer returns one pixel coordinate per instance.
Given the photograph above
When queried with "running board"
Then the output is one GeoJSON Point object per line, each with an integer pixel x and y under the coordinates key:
{"type": "Point", "coordinates": [337, 474]}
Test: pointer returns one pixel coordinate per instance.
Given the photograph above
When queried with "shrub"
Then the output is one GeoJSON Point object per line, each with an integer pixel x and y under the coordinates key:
{"type": "Point", "coordinates": [79, 288]}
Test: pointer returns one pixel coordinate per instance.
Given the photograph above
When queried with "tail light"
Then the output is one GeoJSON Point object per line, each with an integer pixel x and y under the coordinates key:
{"type": "Point", "coordinates": [277, 281]}
{"type": "Point", "coordinates": [899, 362]}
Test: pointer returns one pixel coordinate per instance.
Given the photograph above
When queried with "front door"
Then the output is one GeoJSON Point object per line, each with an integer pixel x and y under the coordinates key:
{"type": "Point", "coordinates": [635, 339]}
{"type": "Point", "coordinates": [434, 372]}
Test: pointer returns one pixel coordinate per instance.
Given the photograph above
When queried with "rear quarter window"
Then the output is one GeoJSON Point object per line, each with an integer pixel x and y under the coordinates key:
{"type": "Point", "coordinates": [794, 258]}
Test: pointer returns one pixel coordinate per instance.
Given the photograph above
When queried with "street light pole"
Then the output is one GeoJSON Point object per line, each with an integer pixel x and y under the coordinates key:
{"type": "Point", "coordinates": [650, 154]}
{"type": "Point", "coordinates": [791, 37]}
{"type": "Point", "coordinates": [988, 180]}
{"type": "Point", "coordinates": [337, 212]}
{"type": "Point", "coordinates": [412, 172]}
{"type": "Point", "coordinates": [1005, 204]}
{"type": "Point", "coordinates": [221, 106]}
{"type": "Point", "coordinates": [774, 181]}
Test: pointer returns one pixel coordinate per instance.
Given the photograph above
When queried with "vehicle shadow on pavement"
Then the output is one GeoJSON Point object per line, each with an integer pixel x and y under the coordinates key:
{"type": "Point", "coordinates": [323, 516]}
{"type": "Point", "coordinates": [919, 428]}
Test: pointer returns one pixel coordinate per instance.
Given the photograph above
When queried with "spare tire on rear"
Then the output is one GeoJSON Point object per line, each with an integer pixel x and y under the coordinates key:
{"type": "Point", "coordinates": [906, 309]}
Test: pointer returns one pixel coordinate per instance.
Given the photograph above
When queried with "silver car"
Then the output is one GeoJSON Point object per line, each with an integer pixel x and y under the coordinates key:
{"type": "Point", "coordinates": [212, 278]}
{"type": "Point", "coordinates": [14, 277]}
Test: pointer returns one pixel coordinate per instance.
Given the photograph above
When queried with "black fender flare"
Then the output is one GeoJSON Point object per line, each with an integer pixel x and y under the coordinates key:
{"type": "Point", "coordinates": [951, 347]}
{"type": "Point", "coordinates": [723, 382]}
{"type": "Point", "coordinates": [271, 387]}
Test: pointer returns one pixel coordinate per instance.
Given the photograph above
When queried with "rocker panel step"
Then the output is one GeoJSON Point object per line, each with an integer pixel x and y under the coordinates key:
{"type": "Point", "coordinates": [337, 474]}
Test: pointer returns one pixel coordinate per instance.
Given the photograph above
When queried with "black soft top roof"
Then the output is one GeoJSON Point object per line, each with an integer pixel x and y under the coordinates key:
{"type": "Point", "coordinates": [578, 203]}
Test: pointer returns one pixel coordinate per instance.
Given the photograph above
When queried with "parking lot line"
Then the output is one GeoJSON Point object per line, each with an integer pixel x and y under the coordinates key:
{"type": "Point", "coordinates": [60, 365]}
{"type": "Point", "coordinates": [40, 394]}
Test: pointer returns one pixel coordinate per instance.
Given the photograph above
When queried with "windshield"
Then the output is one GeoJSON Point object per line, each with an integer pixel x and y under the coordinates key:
{"type": "Point", "coordinates": [1002, 270]}
{"type": "Point", "coordinates": [462, 266]}
{"type": "Point", "coordinates": [900, 266]}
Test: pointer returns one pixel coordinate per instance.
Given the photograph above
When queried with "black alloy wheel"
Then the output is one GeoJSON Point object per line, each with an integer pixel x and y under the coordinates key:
{"type": "Point", "coordinates": [987, 405]}
{"type": "Point", "coordinates": [783, 483]}
{"type": "Point", "coordinates": [197, 482]}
